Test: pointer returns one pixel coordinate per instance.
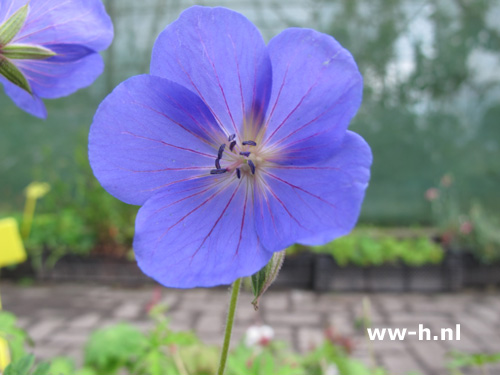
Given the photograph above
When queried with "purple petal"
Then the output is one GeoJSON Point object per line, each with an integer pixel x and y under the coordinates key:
{"type": "Point", "coordinates": [62, 75]}
{"type": "Point", "coordinates": [82, 22]}
{"type": "Point", "coordinates": [199, 233]}
{"type": "Point", "coordinates": [148, 134]}
{"type": "Point", "coordinates": [221, 56]}
{"type": "Point", "coordinates": [29, 103]}
{"type": "Point", "coordinates": [316, 90]}
{"type": "Point", "coordinates": [314, 204]}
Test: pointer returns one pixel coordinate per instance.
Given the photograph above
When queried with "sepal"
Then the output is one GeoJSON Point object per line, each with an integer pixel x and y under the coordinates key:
{"type": "Point", "coordinates": [13, 74]}
{"type": "Point", "coordinates": [10, 28]}
{"type": "Point", "coordinates": [263, 279]}
{"type": "Point", "coordinates": [26, 52]}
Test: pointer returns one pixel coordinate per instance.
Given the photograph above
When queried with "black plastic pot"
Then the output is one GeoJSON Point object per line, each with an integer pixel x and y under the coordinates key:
{"type": "Point", "coordinates": [445, 277]}
{"type": "Point", "coordinates": [478, 274]}
{"type": "Point", "coordinates": [297, 271]}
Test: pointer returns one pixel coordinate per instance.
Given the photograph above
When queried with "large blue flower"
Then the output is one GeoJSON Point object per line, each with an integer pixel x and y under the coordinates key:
{"type": "Point", "coordinates": [54, 46]}
{"type": "Point", "coordinates": [234, 149]}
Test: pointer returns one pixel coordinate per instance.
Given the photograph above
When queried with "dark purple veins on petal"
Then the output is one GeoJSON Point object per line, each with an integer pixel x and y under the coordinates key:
{"type": "Point", "coordinates": [245, 153]}
{"type": "Point", "coordinates": [218, 171]}
{"type": "Point", "coordinates": [249, 143]}
{"type": "Point", "coordinates": [252, 166]}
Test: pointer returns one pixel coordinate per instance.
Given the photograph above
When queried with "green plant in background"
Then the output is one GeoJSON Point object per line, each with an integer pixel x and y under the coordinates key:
{"type": "Point", "coordinates": [364, 250]}
{"type": "Point", "coordinates": [486, 235]}
{"type": "Point", "coordinates": [464, 226]}
{"type": "Point", "coordinates": [481, 361]}
{"type": "Point", "coordinates": [15, 336]}
{"type": "Point", "coordinates": [25, 366]}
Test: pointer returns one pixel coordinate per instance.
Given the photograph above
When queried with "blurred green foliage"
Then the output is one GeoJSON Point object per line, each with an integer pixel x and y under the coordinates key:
{"type": "Point", "coordinates": [365, 250]}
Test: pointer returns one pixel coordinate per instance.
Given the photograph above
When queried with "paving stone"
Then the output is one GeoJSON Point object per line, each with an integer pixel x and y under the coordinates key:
{"type": "Point", "coordinates": [210, 323]}
{"type": "Point", "coordinates": [273, 300]}
{"type": "Point", "coordinates": [343, 323]}
{"type": "Point", "coordinates": [47, 352]}
{"type": "Point", "coordinates": [44, 329]}
{"type": "Point", "coordinates": [309, 338]}
{"type": "Point", "coordinates": [401, 364]}
{"type": "Point", "coordinates": [302, 300]}
{"type": "Point", "coordinates": [128, 310]}
{"type": "Point", "coordinates": [70, 337]}
{"type": "Point", "coordinates": [60, 317]}
{"type": "Point", "coordinates": [294, 319]}
{"type": "Point", "coordinates": [85, 321]}
{"type": "Point", "coordinates": [431, 354]}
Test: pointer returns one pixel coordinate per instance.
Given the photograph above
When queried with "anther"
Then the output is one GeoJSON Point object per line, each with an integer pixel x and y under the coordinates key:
{"type": "Point", "coordinates": [245, 153]}
{"type": "Point", "coordinates": [238, 173]}
{"type": "Point", "coordinates": [221, 151]}
{"type": "Point", "coordinates": [252, 166]}
{"type": "Point", "coordinates": [217, 163]}
{"type": "Point", "coordinates": [250, 143]}
{"type": "Point", "coordinates": [218, 171]}
{"type": "Point", "coordinates": [231, 146]}
{"type": "Point", "coordinates": [231, 137]}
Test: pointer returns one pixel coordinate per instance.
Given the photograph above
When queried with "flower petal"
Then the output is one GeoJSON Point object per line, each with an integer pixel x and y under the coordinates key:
{"type": "Point", "coordinates": [313, 204]}
{"type": "Point", "coordinates": [199, 234]}
{"type": "Point", "coordinates": [222, 57]}
{"type": "Point", "coordinates": [150, 133]}
{"type": "Point", "coordinates": [24, 100]}
{"type": "Point", "coordinates": [317, 89]}
{"type": "Point", "coordinates": [83, 22]}
{"type": "Point", "coordinates": [63, 74]}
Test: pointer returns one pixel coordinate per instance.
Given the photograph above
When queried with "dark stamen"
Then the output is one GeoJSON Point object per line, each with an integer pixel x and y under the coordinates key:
{"type": "Point", "coordinates": [218, 171]}
{"type": "Point", "coordinates": [252, 166]}
{"type": "Point", "coordinates": [221, 151]}
{"type": "Point", "coordinates": [217, 163]}
{"type": "Point", "coordinates": [231, 137]}
{"type": "Point", "coordinates": [238, 172]}
{"type": "Point", "coordinates": [231, 146]}
{"type": "Point", "coordinates": [250, 143]}
{"type": "Point", "coordinates": [245, 153]}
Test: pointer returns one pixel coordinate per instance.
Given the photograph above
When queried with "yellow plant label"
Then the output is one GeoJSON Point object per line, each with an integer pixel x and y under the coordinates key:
{"type": "Point", "coordinates": [4, 355]}
{"type": "Point", "coordinates": [11, 245]}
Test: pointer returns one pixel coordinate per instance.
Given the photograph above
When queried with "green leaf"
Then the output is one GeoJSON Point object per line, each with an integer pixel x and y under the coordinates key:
{"type": "Point", "coordinates": [13, 74]}
{"type": "Point", "coordinates": [42, 369]}
{"type": "Point", "coordinates": [10, 28]}
{"type": "Point", "coordinates": [26, 52]}
{"type": "Point", "coordinates": [20, 367]}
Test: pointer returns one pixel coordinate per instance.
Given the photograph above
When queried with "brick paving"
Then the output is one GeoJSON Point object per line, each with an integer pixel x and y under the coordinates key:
{"type": "Point", "coordinates": [59, 318]}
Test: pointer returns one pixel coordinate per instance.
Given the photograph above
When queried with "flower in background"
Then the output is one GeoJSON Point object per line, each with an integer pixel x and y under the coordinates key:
{"type": "Point", "coordinates": [466, 227]}
{"type": "Point", "coordinates": [259, 336]}
{"type": "Point", "coordinates": [447, 180]}
{"type": "Point", "coordinates": [49, 48]}
{"type": "Point", "coordinates": [432, 194]}
{"type": "Point", "coordinates": [332, 369]}
{"type": "Point", "coordinates": [235, 150]}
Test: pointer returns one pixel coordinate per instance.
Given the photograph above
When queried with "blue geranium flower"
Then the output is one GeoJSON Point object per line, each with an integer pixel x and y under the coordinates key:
{"type": "Point", "coordinates": [234, 149]}
{"type": "Point", "coordinates": [48, 48]}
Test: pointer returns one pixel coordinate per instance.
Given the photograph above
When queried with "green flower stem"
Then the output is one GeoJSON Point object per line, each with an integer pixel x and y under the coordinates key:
{"type": "Point", "coordinates": [229, 326]}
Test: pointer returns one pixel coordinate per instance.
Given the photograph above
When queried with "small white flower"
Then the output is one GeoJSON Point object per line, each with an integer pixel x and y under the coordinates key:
{"type": "Point", "coordinates": [332, 369]}
{"type": "Point", "coordinates": [258, 335]}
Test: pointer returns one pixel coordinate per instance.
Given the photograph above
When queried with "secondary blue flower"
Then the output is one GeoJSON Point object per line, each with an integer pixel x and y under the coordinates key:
{"type": "Point", "coordinates": [234, 149]}
{"type": "Point", "coordinates": [48, 48]}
